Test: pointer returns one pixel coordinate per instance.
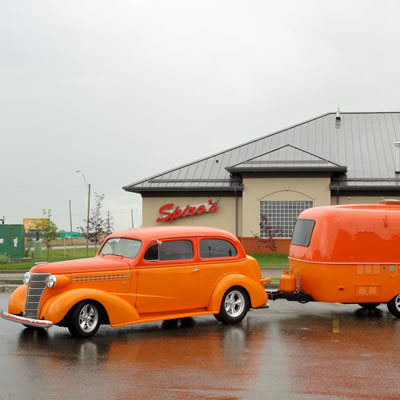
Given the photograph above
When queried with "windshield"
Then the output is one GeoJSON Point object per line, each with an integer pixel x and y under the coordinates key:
{"type": "Point", "coordinates": [121, 247]}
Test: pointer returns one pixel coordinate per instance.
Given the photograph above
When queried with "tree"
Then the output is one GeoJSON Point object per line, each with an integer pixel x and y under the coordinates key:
{"type": "Point", "coordinates": [269, 234]}
{"type": "Point", "coordinates": [98, 226]}
{"type": "Point", "coordinates": [48, 230]}
{"type": "Point", "coordinates": [109, 226]}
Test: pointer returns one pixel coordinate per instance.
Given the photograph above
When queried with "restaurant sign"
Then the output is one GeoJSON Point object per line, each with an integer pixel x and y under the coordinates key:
{"type": "Point", "coordinates": [170, 212]}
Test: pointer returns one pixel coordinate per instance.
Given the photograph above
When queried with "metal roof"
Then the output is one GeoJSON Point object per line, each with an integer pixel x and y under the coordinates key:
{"type": "Point", "coordinates": [286, 158]}
{"type": "Point", "coordinates": [362, 142]}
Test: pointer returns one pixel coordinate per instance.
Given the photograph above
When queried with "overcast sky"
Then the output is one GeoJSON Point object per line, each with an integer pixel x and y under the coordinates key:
{"type": "Point", "coordinates": [126, 89]}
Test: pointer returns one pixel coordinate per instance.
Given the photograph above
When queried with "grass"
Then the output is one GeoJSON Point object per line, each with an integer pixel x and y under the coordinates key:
{"type": "Point", "coordinates": [265, 260]}
{"type": "Point", "coordinates": [55, 255]}
{"type": "Point", "coordinates": [271, 260]}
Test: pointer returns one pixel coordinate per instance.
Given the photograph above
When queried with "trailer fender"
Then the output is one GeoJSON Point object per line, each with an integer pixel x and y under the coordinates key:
{"type": "Point", "coordinates": [119, 311]}
{"type": "Point", "coordinates": [257, 294]}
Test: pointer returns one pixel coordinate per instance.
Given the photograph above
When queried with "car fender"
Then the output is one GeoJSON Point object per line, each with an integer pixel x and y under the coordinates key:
{"type": "Point", "coordinates": [16, 304]}
{"type": "Point", "coordinates": [120, 312]}
{"type": "Point", "coordinates": [256, 291]}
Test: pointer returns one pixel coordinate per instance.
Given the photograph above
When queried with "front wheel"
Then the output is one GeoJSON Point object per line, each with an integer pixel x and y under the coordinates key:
{"type": "Point", "coordinates": [85, 319]}
{"type": "Point", "coordinates": [394, 306]}
{"type": "Point", "coordinates": [234, 306]}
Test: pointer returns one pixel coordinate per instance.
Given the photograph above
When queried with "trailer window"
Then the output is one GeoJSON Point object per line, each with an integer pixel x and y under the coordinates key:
{"type": "Point", "coordinates": [302, 232]}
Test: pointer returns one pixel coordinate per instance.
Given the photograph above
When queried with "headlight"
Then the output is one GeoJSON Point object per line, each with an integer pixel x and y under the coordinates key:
{"type": "Point", "coordinates": [51, 281]}
{"type": "Point", "coordinates": [27, 276]}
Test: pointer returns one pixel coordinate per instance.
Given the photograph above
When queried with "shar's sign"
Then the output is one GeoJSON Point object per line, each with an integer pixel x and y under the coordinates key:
{"type": "Point", "coordinates": [169, 212]}
{"type": "Point", "coordinates": [35, 224]}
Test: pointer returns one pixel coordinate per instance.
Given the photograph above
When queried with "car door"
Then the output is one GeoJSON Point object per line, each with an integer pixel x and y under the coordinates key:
{"type": "Point", "coordinates": [218, 257]}
{"type": "Point", "coordinates": [168, 278]}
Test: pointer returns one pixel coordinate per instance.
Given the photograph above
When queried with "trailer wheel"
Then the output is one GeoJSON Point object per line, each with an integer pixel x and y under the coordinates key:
{"type": "Point", "coordinates": [234, 306]}
{"type": "Point", "coordinates": [394, 306]}
{"type": "Point", "coordinates": [368, 306]}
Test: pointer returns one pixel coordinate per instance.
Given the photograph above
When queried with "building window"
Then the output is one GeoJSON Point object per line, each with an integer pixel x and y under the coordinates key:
{"type": "Point", "coordinates": [278, 218]}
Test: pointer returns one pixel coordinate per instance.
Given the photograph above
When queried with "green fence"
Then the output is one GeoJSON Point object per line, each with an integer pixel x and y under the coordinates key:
{"type": "Point", "coordinates": [12, 240]}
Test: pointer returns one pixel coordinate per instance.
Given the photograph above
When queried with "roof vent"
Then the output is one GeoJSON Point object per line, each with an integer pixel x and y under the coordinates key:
{"type": "Point", "coordinates": [338, 116]}
{"type": "Point", "coordinates": [397, 156]}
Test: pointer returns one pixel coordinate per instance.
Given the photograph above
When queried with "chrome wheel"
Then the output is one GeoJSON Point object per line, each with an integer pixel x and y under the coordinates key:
{"type": "Point", "coordinates": [85, 319]}
{"type": "Point", "coordinates": [88, 318]}
{"type": "Point", "coordinates": [234, 303]}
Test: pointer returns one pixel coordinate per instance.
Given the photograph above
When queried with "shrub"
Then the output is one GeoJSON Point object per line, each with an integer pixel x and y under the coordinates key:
{"type": "Point", "coordinates": [4, 259]}
{"type": "Point", "coordinates": [28, 247]}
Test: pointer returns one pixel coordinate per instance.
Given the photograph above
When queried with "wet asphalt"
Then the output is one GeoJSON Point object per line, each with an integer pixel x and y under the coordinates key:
{"type": "Point", "coordinates": [289, 351]}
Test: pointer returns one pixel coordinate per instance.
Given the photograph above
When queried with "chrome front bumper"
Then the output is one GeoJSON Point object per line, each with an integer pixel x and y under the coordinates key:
{"type": "Point", "coordinates": [41, 323]}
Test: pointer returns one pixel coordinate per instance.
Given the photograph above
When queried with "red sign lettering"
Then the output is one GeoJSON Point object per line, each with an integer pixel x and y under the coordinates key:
{"type": "Point", "coordinates": [169, 212]}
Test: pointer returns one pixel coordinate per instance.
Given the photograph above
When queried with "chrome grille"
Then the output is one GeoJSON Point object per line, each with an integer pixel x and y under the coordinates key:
{"type": "Point", "coordinates": [36, 287]}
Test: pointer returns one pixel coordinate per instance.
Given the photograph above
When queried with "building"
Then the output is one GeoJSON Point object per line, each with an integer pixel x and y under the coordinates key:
{"type": "Point", "coordinates": [258, 189]}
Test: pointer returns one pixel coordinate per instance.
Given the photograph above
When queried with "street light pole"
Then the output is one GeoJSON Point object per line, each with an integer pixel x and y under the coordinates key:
{"type": "Point", "coordinates": [88, 212]}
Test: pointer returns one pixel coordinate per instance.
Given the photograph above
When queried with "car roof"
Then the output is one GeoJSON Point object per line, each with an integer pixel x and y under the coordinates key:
{"type": "Point", "coordinates": [166, 232]}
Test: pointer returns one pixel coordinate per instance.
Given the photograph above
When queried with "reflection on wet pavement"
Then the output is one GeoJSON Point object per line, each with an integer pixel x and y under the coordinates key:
{"type": "Point", "coordinates": [313, 351]}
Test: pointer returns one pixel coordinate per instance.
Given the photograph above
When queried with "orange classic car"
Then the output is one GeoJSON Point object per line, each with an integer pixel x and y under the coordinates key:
{"type": "Point", "coordinates": [345, 254]}
{"type": "Point", "coordinates": [143, 275]}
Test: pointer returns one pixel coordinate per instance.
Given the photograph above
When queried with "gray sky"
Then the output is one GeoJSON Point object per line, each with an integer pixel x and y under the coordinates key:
{"type": "Point", "coordinates": [125, 89]}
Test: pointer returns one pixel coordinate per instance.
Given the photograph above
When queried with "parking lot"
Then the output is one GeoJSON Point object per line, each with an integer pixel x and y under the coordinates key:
{"type": "Point", "coordinates": [291, 350]}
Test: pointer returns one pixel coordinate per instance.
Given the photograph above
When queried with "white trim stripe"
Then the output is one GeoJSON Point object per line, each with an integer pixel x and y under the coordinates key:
{"type": "Point", "coordinates": [345, 263]}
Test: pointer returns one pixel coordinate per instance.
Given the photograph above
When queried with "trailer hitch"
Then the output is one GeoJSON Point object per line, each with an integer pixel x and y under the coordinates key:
{"type": "Point", "coordinates": [295, 296]}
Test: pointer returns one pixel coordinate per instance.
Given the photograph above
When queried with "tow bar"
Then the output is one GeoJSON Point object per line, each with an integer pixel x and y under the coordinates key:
{"type": "Point", "coordinates": [295, 296]}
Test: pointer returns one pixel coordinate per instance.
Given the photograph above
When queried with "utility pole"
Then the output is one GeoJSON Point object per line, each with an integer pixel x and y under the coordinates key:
{"type": "Point", "coordinates": [88, 212]}
{"type": "Point", "coordinates": [133, 226]}
{"type": "Point", "coordinates": [87, 226]}
{"type": "Point", "coordinates": [70, 217]}
{"type": "Point", "coordinates": [70, 227]}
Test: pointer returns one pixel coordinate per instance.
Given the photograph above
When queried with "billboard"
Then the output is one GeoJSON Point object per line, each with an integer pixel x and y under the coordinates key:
{"type": "Point", "coordinates": [34, 224]}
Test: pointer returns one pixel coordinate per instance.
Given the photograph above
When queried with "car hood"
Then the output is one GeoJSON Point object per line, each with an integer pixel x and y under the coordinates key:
{"type": "Point", "coordinates": [93, 264]}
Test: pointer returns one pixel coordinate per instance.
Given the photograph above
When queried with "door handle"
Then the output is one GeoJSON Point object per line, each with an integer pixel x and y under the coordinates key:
{"type": "Point", "coordinates": [196, 270]}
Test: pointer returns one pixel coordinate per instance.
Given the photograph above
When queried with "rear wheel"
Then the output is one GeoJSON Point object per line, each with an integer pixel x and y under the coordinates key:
{"type": "Point", "coordinates": [85, 319]}
{"type": "Point", "coordinates": [394, 306]}
{"type": "Point", "coordinates": [369, 306]}
{"type": "Point", "coordinates": [234, 306]}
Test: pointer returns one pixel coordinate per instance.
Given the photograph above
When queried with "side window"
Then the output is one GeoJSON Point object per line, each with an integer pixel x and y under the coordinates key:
{"type": "Point", "coordinates": [302, 232]}
{"type": "Point", "coordinates": [152, 253]}
{"type": "Point", "coordinates": [212, 248]}
{"type": "Point", "coordinates": [171, 250]}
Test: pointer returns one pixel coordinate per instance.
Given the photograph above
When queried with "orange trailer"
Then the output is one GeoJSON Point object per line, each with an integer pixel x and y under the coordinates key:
{"type": "Point", "coordinates": [345, 254]}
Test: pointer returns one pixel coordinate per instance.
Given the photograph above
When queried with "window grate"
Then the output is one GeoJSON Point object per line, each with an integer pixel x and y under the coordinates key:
{"type": "Point", "coordinates": [278, 218]}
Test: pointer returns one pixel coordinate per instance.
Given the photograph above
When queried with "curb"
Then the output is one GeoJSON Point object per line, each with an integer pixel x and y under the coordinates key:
{"type": "Point", "coordinates": [8, 282]}
{"type": "Point", "coordinates": [13, 271]}
{"type": "Point", "coordinates": [8, 288]}
{"type": "Point", "coordinates": [272, 286]}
